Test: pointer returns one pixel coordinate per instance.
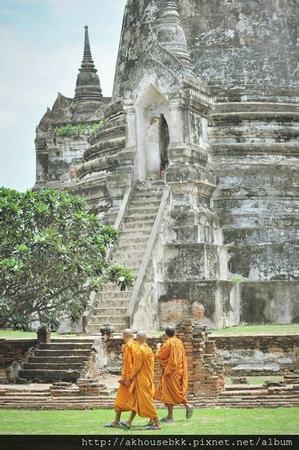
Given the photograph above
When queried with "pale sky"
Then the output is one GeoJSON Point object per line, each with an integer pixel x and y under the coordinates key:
{"type": "Point", "coordinates": [41, 47]}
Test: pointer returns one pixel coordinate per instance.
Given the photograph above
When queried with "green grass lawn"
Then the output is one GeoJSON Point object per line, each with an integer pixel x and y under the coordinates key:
{"type": "Point", "coordinates": [19, 334]}
{"type": "Point", "coordinates": [204, 421]}
{"type": "Point", "coordinates": [259, 329]}
{"type": "Point", "coordinates": [12, 334]}
{"type": "Point", "coordinates": [257, 380]}
{"type": "Point", "coordinates": [240, 330]}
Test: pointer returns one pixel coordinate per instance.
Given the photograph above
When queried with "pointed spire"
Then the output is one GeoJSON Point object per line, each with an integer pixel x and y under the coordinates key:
{"type": "Point", "coordinates": [171, 33]}
{"type": "Point", "coordinates": [87, 58]}
{"type": "Point", "coordinates": [88, 88]}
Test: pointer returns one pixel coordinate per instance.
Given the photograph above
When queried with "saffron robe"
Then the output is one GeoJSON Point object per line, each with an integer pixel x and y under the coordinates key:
{"type": "Point", "coordinates": [143, 389]}
{"type": "Point", "coordinates": [132, 360]}
{"type": "Point", "coordinates": [172, 389]}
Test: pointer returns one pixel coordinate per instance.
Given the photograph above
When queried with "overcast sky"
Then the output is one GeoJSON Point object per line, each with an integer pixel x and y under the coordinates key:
{"type": "Point", "coordinates": [41, 46]}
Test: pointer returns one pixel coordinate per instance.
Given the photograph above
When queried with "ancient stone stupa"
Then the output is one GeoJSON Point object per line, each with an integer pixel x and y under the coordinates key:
{"type": "Point", "coordinates": [195, 161]}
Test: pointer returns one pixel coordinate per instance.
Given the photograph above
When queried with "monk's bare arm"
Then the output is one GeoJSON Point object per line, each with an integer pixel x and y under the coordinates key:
{"type": "Point", "coordinates": [172, 360]}
{"type": "Point", "coordinates": [163, 353]}
{"type": "Point", "coordinates": [127, 364]}
{"type": "Point", "coordinates": [137, 363]}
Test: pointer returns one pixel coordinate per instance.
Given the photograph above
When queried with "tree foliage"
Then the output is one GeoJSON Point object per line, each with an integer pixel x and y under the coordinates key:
{"type": "Point", "coordinates": [53, 254]}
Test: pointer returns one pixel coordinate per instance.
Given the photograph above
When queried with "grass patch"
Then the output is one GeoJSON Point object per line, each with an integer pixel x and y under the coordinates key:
{"type": "Point", "coordinates": [204, 421]}
{"type": "Point", "coordinates": [257, 380]}
{"type": "Point", "coordinates": [17, 334]}
{"type": "Point", "coordinates": [259, 329]}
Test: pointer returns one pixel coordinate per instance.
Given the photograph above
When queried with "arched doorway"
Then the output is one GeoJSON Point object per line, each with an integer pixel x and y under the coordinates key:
{"type": "Point", "coordinates": [153, 137]}
{"type": "Point", "coordinates": [164, 143]}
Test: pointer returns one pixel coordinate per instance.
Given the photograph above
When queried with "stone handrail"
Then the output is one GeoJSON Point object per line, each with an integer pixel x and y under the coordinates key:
{"type": "Point", "coordinates": [147, 256]}
{"type": "Point", "coordinates": [117, 224]}
{"type": "Point", "coordinates": [120, 215]}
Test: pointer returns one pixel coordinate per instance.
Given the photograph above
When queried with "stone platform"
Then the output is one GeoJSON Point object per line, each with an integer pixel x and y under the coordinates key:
{"type": "Point", "coordinates": [43, 397]}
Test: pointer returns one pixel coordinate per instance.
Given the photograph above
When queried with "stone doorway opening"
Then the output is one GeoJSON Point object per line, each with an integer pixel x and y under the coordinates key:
{"type": "Point", "coordinates": [164, 141]}
{"type": "Point", "coordinates": [153, 134]}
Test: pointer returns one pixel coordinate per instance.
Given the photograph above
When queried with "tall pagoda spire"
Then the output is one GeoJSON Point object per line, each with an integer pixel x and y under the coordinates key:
{"type": "Point", "coordinates": [171, 34]}
{"type": "Point", "coordinates": [88, 87]}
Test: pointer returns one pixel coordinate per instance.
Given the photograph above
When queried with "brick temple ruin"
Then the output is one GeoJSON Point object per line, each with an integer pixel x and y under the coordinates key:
{"type": "Point", "coordinates": [83, 372]}
{"type": "Point", "coordinates": [194, 159]}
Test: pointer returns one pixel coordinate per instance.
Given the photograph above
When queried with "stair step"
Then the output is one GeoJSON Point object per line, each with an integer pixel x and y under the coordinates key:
{"type": "Point", "coordinates": [65, 345]}
{"type": "Point", "coordinates": [138, 222]}
{"type": "Point", "coordinates": [133, 245]}
{"type": "Point", "coordinates": [144, 194]}
{"type": "Point", "coordinates": [142, 204]}
{"type": "Point", "coordinates": [128, 255]}
{"type": "Point", "coordinates": [55, 353]}
{"type": "Point", "coordinates": [24, 394]}
{"type": "Point", "coordinates": [138, 227]}
{"type": "Point", "coordinates": [97, 320]}
{"type": "Point", "coordinates": [115, 293]}
{"type": "Point", "coordinates": [52, 366]}
{"type": "Point", "coordinates": [108, 304]}
{"type": "Point", "coordinates": [131, 263]}
{"type": "Point", "coordinates": [138, 216]}
{"type": "Point", "coordinates": [50, 375]}
{"type": "Point", "coordinates": [95, 328]}
{"type": "Point", "coordinates": [72, 340]}
{"type": "Point", "coordinates": [145, 209]}
{"type": "Point", "coordinates": [133, 233]}
{"type": "Point", "coordinates": [116, 310]}
{"type": "Point", "coordinates": [57, 359]}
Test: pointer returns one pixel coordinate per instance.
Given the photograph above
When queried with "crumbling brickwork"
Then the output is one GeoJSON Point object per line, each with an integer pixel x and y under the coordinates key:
{"type": "Point", "coordinates": [206, 374]}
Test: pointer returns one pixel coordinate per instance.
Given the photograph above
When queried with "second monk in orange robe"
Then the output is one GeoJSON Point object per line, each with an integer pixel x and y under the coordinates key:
{"type": "Point", "coordinates": [142, 388]}
{"type": "Point", "coordinates": [173, 386]}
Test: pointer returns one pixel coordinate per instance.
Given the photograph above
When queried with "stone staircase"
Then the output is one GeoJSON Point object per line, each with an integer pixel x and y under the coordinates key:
{"type": "Point", "coordinates": [60, 360]}
{"type": "Point", "coordinates": [111, 304]}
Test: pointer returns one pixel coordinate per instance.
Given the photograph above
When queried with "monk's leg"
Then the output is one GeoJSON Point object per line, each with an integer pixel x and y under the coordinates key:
{"type": "Point", "coordinates": [115, 422]}
{"type": "Point", "coordinates": [169, 417]}
{"type": "Point", "coordinates": [170, 412]}
{"type": "Point", "coordinates": [189, 410]}
{"type": "Point", "coordinates": [117, 417]}
{"type": "Point", "coordinates": [156, 422]}
{"type": "Point", "coordinates": [131, 418]}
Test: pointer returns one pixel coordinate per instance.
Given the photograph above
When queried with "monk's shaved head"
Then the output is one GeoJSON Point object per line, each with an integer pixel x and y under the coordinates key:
{"type": "Point", "coordinates": [170, 331]}
{"type": "Point", "coordinates": [128, 333]}
{"type": "Point", "coordinates": [141, 336]}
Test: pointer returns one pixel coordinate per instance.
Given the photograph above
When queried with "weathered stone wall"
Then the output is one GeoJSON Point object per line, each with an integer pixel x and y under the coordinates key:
{"type": "Point", "coordinates": [258, 355]}
{"type": "Point", "coordinates": [220, 299]}
{"type": "Point", "coordinates": [57, 156]}
{"type": "Point", "coordinates": [100, 179]}
{"type": "Point", "coordinates": [270, 301]}
{"type": "Point", "coordinates": [233, 43]}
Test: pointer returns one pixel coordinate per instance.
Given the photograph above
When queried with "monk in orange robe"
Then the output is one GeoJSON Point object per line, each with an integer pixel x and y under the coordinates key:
{"type": "Point", "coordinates": [142, 400]}
{"type": "Point", "coordinates": [172, 389]}
{"type": "Point", "coordinates": [131, 364]}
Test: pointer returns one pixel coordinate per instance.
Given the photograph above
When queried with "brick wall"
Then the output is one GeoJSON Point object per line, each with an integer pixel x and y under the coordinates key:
{"type": "Point", "coordinates": [14, 350]}
{"type": "Point", "coordinates": [174, 311]}
{"type": "Point", "coordinates": [206, 373]}
{"type": "Point", "coordinates": [283, 343]}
